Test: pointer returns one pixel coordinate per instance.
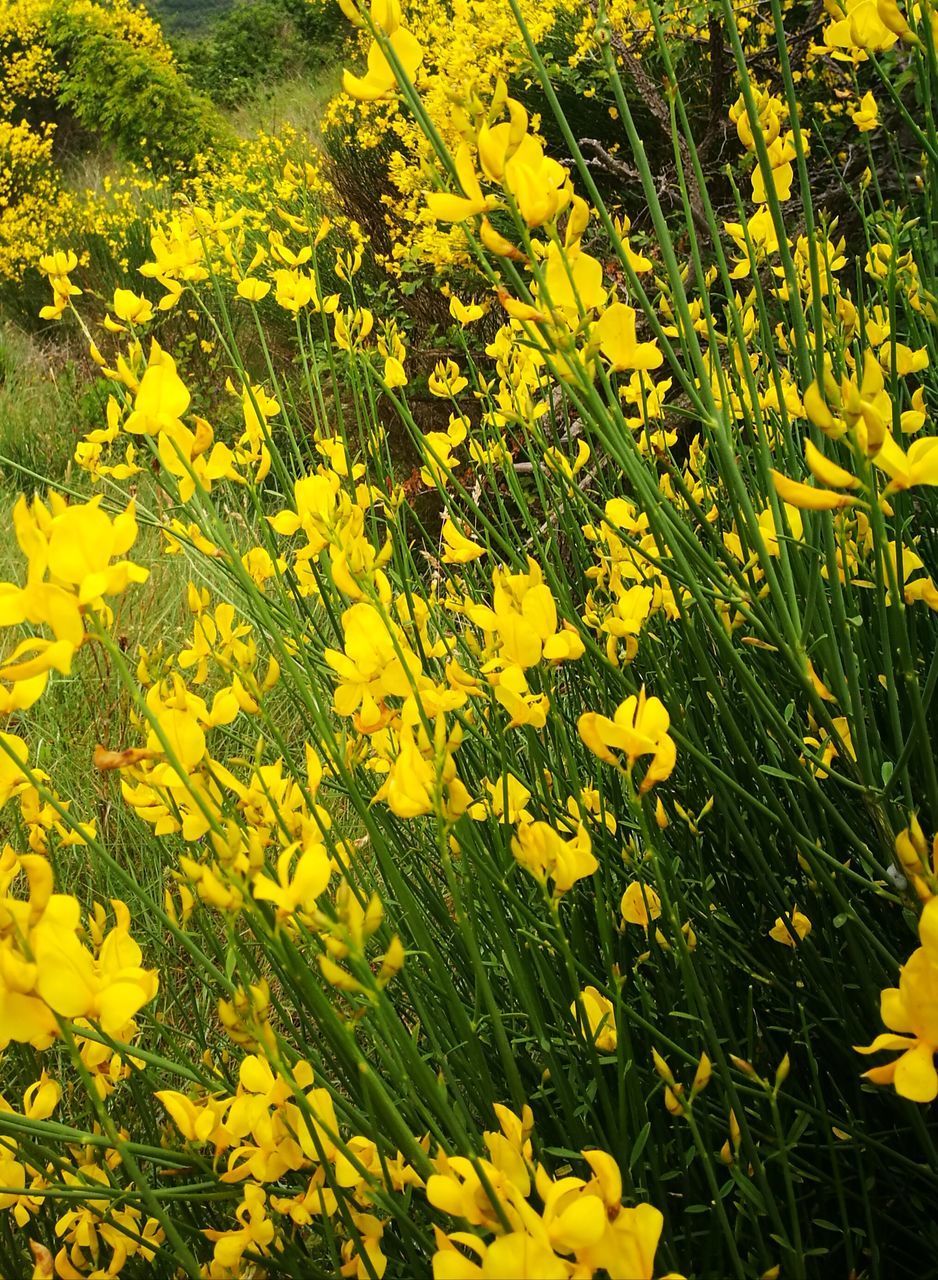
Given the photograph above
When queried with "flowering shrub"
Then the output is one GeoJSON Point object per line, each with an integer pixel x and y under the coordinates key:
{"type": "Point", "coordinates": [105, 71]}
{"type": "Point", "coordinates": [518, 836]}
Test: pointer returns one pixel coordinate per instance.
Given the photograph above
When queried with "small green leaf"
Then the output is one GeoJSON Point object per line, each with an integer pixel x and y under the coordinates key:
{"type": "Point", "coordinates": [638, 1146]}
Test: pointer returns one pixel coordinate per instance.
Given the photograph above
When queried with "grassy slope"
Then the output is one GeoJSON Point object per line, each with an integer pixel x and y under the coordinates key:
{"type": "Point", "coordinates": [298, 101]}
{"type": "Point", "coordinates": [48, 399]}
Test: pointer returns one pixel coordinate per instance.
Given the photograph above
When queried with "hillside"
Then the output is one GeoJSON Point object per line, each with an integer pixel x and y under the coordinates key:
{"type": "Point", "coordinates": [468, 640]}
{"type": "Point", "coordinates": [188, 16]}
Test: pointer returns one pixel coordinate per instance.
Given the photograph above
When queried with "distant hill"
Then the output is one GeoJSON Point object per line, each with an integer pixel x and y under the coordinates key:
{"type": "Point", "coordinates": [188, 15]}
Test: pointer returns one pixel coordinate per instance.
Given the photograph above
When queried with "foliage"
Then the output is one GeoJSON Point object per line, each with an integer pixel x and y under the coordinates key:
{"type": "Point", "coordinates": [533, 817]}
{"type": "Point", "coordinates": [257, 43]}
{"type": "Point", "coordinates": [189, 16]}
{"type": "Point", "coordinates": [118, 93]}
{"type": "Point", "coordinates": [45, 407]}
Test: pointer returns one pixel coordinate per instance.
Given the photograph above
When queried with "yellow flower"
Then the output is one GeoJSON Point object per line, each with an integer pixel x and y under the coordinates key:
{"type": "Point", "coordinates": [639, 728]}
{"type": "Point", "coordinates": [614, 333]}
{"type": "Point", "coordinates": [640, 905]}
{"type": "Point", "coordinates": [827, 472]}
{"type": "Point", "coordinates": [600, 1018]}
{"type": "Point", "coordinates": [781, 932]}
{"type": "Point", "coordinates": [379, 81]}
{"type": "Point", "coordinates": [446, 381]}
{"type": "Point", "coordinates": [26, 671]}
{"type": "Point", "coordinates": [506, 801]}
{"type": "Point", "coordinates": [865, 114]}
{"type": "Point", "coordinates": [806, 498]}
{"type": "Point", "coordinates": [519, 1256]}
{"type": "Point", "coordinates": [918, 465]}
{"type": "Point", "coordinates": [908, 359]}
{"type": "Point", "coordinates": [377, 663]}
{"type": "Point", "coordinates": [394, 373]}
{"type": "Point", "coordinates": [69, 549]}
{"type": "Point", "coordinates": [867, 408]}
{"type": "Point", "coordinates": [521, 311]}
{"type": "Point", "coordinates": [913, 853]}
{"type": "Point", "coordinates": [161, 398]}
{"type": "Point", "coordinates": [197, 1122]}
{"type": "Point", "coordinates": [412, 781]}
{"type": "Point", "coordinates": [59, 263]}
{"type": "Point", "coordinates": [582, 1230]}
{"type": "Point", "coordinates": [14, 754]}
{"type": "Point", "coordinates": [818, 412]}
{"type": "Point", "coordinates": [626, 618]}
{"type": "Point", "coordinates": [177, 715]}
{"type": "Point", "coordinates": [109, 989]}
{"type": "Point", "coordinates": [295, 290]}
{"type": "Point", "coordinates": [861, 29]}
{"type": "Point", "coordinates": [83, 540]}
{"type": "Point", "coordinates": [256, 1231]}
{"type": "Point", "coordinates": [454, 208]}
{"type": "Point", "coordinates": [770, 111]}
{"type": "Point", "coordinates": [297, 886]}
{"type": "Point", "coordinates": [513, 693]}
{"type": "Point", "coordinates": [792, 516]}
{"type": "Point", "coordinates": [547, 856]}
{"type": "Point", "coordinates": [131, 307]}
{"type": "Point", "coordinates": [910, 1011]}
{"type": "Point", "coordinates": [252, 289]}
{"type": "Point", "coordinates": [524, 621]}
{"type": "Point", "coordinates": [626, 1250]}
{"type": "Point", "coordinates": [55, 973]}
{"type": "Point", "coordinates": [572, 279]}
{"type": "Point", "coordinates": [781, 152]}
{"type": "Point", "coordinates": [464, 313]}
{"type": "Point", "coordinates": [539, 184]}
{"type": "Point", "coordinates": [458, 549]}
{"type": "Point", "coordinates": [496, 243]}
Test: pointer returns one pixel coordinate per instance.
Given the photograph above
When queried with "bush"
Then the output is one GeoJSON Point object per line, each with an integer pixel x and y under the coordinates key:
{"type": "Point", "coordinates": [255, 44]}
{"type": "Point", "coordinates": [249, 45]}
{"type": "Point", "coordinates": [121, 95]}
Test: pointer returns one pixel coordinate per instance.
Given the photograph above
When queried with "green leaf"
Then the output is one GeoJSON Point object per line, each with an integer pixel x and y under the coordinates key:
{"type": "Point", "coordinates": [638, 1146]}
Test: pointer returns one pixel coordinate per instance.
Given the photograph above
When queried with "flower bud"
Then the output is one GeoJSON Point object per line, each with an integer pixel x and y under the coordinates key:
{"type": "Point", "coordinates": [893, 20]}
{"type": "Point", "coordinates": [672, 1100]}
{"type": "Point", "coordinates": [664, 1071]}
{"type": "Point", "coordinates": [781, 1074]}
{"type": "Point", "coordinates": [745, 1067]}
{"type": "Point", "coordinates": [702, 1076]}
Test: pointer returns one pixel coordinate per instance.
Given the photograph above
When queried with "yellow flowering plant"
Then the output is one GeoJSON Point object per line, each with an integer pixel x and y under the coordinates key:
{"type": "Point", "coordinates": [491, 864]}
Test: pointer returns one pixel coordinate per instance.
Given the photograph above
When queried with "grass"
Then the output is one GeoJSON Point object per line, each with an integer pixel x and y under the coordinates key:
{"type": "Point", "coordinates": [297, 102]}
{"type": "Point", "coordinates": [50, 396]}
